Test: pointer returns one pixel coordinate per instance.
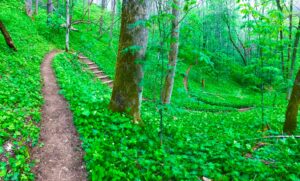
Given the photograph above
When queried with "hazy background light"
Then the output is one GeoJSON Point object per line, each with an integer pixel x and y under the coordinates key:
{"type": "Point", "coordinates": [297, 7]}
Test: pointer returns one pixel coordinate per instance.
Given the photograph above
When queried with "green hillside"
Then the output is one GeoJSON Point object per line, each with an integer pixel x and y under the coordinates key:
{"type": "Point", "coordinates": [228, 129]}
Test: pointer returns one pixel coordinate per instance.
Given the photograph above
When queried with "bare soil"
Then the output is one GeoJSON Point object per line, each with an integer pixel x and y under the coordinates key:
{"type": "Point", "coordinates": [61, 157]}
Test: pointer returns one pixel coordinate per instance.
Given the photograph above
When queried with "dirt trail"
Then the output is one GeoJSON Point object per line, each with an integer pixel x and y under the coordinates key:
{"type": "Point", "coordinates": [61, 157]}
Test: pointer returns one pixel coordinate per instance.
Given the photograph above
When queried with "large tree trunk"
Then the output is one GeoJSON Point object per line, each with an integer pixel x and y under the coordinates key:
{"type": "Point", "coordinates": [7, 37]}
{"type": "Point", "coordinates": [28, 5]}
{"type": "Point", "coordinates": [169, 81]}
{"type": "Point", "coordinates": [67, 24]}
{"type": "Point", "coordinates": [103, 7]}
{"type": "Point", "coordinates": [294, 57]}
{"type": "Point", "coordinates": [290, 124]}
{"type": "Point", "coordinates": [128, 88]}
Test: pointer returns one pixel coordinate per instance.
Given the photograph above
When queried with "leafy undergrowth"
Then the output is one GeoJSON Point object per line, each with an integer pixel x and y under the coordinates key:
{"type": "Point", "coordinates": [20, 92]}
{"type": "Point", "coordinates": [195, 144]}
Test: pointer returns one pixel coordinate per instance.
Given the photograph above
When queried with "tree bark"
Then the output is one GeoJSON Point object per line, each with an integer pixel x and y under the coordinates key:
{"type": "Point", "coordinates": [28, 5]}
{"type": "Point", "coordinates": [103, 7]}
{"type": "Point", "coordinates": [278, 3]}
{"type": "Point", "coordinates": [67, 25]}
{"type": "Point", "coordinates": [290, 35]}
{"type": "Point", "coordinates": [291, 115]}
{"type": "Point", "coordinates": [128, 88]}
{"type": "Point", "coordinates": [7, 37]}
{"type": "Point", "coordinates": [89, 9]}
{"type": "Point", "coordinates": [113, 11]}
{"type": "Point", "coordinates": [36, 7]}
{"type": "Point", "coordinates": [104, 4]}
{"type": "Point", "coordinates": [49, 7]}
{"type": "Point", "coordinates": [169, 80]}
{"type": "Point", "coordinates": [243, 56]}
{"type": "Point", "coordinates": [294, 57]}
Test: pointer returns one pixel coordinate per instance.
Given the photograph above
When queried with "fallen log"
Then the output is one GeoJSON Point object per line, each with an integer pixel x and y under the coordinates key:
{"type": "Point", "coordinates": [7, 37]}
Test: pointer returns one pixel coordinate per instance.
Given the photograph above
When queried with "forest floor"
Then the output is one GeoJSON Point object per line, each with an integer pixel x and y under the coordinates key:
{"type": "Point", "coordinates": [61, 156]}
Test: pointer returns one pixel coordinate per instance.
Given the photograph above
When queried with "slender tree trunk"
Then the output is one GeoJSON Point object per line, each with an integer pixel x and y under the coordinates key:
{"type": "Point", "coordinates": [89, 10]}
{"type": "Point", "coordinates": [28, 5]}
{"type": "Point", "coordinates": [67, 24]}
{"type": "Point", "coordinates": [169, 81]}
{"type": "Point", "coordinates": [103, 6]}
{"type": "Point", "coordinates": [113, 11]}
{"type": "Point", "coordinates": [7, 37]}
{"type": "Point", "coordinates": [128, 88]}
{"type": "Point", "coordinates": [288, 95]}
{"type": "Point", "coordinates": [282, 53]}
{"type": "Point", "coordinates": [83, 8]}
{"type": "Point", "coordinates": [243, 56]}
{"type": "Point", "coordinates": [104, 3]}
{"type": "Point", "coordinates": [294, 57]}
{"type": "Point", "coordinates": [36, 7]}
{"type": "Point", "coordinates": [291, 115]}
{"type": "Point", "coordinates": [290, 36]}
{"type": "Point", "coordinates": [49, 7]}
{"type": "Point", "coordinates": [278, 3]}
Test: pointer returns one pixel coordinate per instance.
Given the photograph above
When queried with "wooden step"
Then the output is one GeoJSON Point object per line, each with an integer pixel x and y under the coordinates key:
{"type": "Point", "coordinates": [108, 82]}
{"type": "Point", "coordinates": [90, 63]}
{"type": "Point", "coordinates": [103, 77]}
{"type": "Point", "coordinates": [98, 72]}
{"type": "Point", "coordinates": [82, 57]}
{"type": "Point", "coordinates": [93, 68]}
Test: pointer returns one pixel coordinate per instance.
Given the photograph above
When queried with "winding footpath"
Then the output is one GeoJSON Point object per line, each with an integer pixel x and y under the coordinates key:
{"type": "Point", "coordinates": [61, 157]}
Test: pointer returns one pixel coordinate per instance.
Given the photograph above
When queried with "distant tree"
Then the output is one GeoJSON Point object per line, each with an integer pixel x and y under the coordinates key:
{"type": "Point", "coordinates": [36, 7]}
{"type": "Point", "coordinates": [241, 50]}
{"type": "Point", "coordinates": [290, 32]}
{"type": "Point", "coordinates": [103, 7]}
{"type": "Point", "coordinates": [279, 6]}
{"type": "Point", "coordinates": [113, 12]}
{"type": "Point", "coordinates": [7, 37]}
{"type": "Point", "coordinates": [28, 5]}
{"type": "Point", "coordinates": [169, 80]}
{"type": "Point", "coordinates": [128, 87]}
{"type": "Point", "coordinates": [49, 7]}
{"type": "Point", "coordinates": [89, 9]}
{"type": "Point", "coordinates": [68, 24]}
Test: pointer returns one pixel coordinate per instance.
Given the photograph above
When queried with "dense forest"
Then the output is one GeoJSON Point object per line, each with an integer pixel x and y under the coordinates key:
{"type": "Point", "coordinates": [149, 90]}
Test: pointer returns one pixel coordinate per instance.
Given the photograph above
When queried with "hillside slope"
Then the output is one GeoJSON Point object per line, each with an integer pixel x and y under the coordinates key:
{"type": "Point", "coordinates": [202, 135]}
